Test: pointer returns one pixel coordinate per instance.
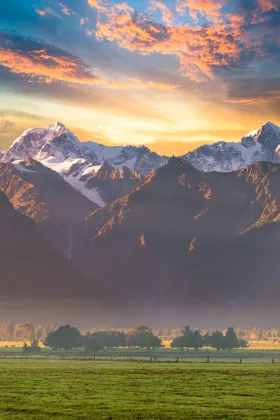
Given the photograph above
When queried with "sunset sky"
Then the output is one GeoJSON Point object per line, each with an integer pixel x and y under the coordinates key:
{"type": "Point", "coordinates": [170, 74]}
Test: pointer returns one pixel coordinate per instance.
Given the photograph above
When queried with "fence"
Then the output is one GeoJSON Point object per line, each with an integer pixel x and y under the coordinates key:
{"type": "Point", "coordinates": [153, 358]}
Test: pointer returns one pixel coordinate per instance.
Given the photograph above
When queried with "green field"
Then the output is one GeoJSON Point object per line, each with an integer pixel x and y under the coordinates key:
{"type": "Point", "coordinates": [35, 389]}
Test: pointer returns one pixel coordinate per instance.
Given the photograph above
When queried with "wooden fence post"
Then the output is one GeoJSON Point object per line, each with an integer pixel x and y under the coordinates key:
{"type": "Point", "coordinates": [273, 359]}
{"type": "Point", "coordinates": [130, 358]}
{"type": "Point", "coordinates": [177, 360]}
{"type": "Point", "coordinates": [94, 356]}
{"type": "Point", "coordinates": [240, 360]}
{"type": "Point", "coordinates": [208, 359]}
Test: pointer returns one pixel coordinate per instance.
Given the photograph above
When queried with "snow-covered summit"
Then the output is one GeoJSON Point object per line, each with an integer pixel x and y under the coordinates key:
{"type": "Point", "coordinates": [262, 144]}
{"type": "Point", "coordinates": [139, 159]}
{"type": "Point", "coordinates": [53, 141]}
{"type": "Point", "coordinates": [59, 143]}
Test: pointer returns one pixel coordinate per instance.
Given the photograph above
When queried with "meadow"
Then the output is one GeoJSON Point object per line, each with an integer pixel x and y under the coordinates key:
{"type": "Point", "coordinates": [78, 389]}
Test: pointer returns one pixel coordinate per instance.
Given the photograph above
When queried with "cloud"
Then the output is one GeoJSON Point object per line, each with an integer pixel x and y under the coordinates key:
{"type": "Point", "coordinates": [259, 90]}
{"type": "Point", "coordinates": [46, 67]}
{"type": "Point", "coordinates": [167, 15]}
{"type": "Point", "coordinates": [211, 9]}
{"type": "Point", "coordinates": [97, 4]}
{"type": "Point", "coordinates": [199, 49]}
{"type": "Point", "coordinates": [136, 83]}
{"type": "Point", "coordinates": [43, 62]}
{"type": "Point", "coordinates": [268, 5]}
{"type": "Point", "coordinates": [216, 34]}
{"type": "Point", "coordinates": [5, 126]}
{"type": "Point", "coordinates": [65, 10]}
{"type": "Point", "coordinates": [47, 12]}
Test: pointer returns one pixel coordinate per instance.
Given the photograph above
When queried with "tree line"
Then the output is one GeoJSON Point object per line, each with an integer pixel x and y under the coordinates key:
{"type": "Point", "coordinates": [217, 340]}
{"type": "Point", "coordinates": [30, 331]}
{"type": "Point", "coordinates": [67, 337]}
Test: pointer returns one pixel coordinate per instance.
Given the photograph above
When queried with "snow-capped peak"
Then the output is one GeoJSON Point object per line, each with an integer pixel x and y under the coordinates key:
{"type": "Point", "coordinates": [264, 128]}
{"type": "Point", "coordinates": [258, 145]}
{"type": "Point", "coordinates": [53, 141]}
{"type": "Point", "coordinates": [139, 159]}
{"type": "Point", "coordinates": [57, 126]}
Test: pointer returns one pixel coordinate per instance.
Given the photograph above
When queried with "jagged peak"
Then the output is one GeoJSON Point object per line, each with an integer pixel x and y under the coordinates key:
{"type": "Point", "coordinates": [266, 126]}
{"type": "Point", "coordinates": [270, 125]}
{"type": "Point", "coordinates": [105, 167]}
{"type": "Point", "coordinates": [56, 126]}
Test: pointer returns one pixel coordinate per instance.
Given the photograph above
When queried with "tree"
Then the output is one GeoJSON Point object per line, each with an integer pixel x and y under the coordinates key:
{"type": "Point", "coordinates": [33, 348]}
{"type": "Point", "coordinates": [206, 340]}
{"type": "Point", "coordinates": [65, 337]}
{"type": "Point", "coordinates": [179, 342]}
{"type": "Point", "coordinates": [94, 344]}
{"type": "Point", "coordinates": [230, 339]}
{"type": "Point", "coordinates": [197, 340]}
{"type": "Point", "coordinates": [188, 339]}
{"type": "Point", "coordinates": [99, 340]}
{"type": "Point", "coordinates": [142, 336]}
{"type": "Point", "coordinates": [217, 340]}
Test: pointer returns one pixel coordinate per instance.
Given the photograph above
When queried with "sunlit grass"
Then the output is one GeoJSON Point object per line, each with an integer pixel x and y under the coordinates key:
{"type": "Point", "coordinates": [115, 390]}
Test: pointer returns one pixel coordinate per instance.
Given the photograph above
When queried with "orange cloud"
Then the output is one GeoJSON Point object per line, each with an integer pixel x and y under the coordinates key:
{"type": "Point", "coordinates": [268, 5]}
{"type": "Point", "coordinates": [163, 86]}
{"type": "Point", "coordinates": [64, 9]}
{"type": "Point", "coordinates": [46, 67]}
{"type": "Point", "coordinates": [267, 97]}
{"type": "Point", "coordinates": [135, 83]}
{"type": "Point", "coordinates": [205, 5]}
{"type": "Point", "coordinates": [167, 15]}
{"type": "Point", "coordinates": [199, 49]}
{"type": "Point", "coordinates": [47, 12]}
{"type": "Point", "coordinates": [97, 4]}
{"type": "Point", "coordinates": [43, 67]}
{"type": "Point", "coordinates": [209, 8]}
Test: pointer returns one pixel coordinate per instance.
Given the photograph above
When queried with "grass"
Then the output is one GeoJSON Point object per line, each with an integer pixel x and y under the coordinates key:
{"type": "Point", "coordinates": [41, 390]}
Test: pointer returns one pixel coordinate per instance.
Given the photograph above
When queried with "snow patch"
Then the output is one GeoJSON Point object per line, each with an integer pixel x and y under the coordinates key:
{"type": "Point", "coordinates": [63, 167]}
{"type": "Point", "coordinates": [92, 194]}
{"type": "Point", "coordinates": [18, 166]}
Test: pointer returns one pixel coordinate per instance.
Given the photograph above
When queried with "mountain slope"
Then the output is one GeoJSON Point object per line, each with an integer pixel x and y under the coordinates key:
{"type": "Point", "coordinates": [30, 267]}
{"type": "Point", "coordinates": [101, 184]}
{"type": "Point", "coordinates": [183, 237]}
{"type": "Point", "coordinates": [43, 195]}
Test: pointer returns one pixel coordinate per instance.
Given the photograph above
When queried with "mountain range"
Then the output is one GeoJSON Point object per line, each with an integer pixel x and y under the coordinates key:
{"type": "Point", "coordinates": [193, 234]}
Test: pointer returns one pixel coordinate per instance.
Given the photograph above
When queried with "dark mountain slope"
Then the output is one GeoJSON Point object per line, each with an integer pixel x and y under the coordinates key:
{"type": "Point", "coordinates": [30, 267]}
{"type": "Point", "coordinates": [185, 237]}
{"type": "Point", "coordinates": [43, 195]}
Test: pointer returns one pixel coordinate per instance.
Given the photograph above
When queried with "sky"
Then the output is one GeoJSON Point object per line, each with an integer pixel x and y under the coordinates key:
{"type": "Point", "coordinates": [170, 74]}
